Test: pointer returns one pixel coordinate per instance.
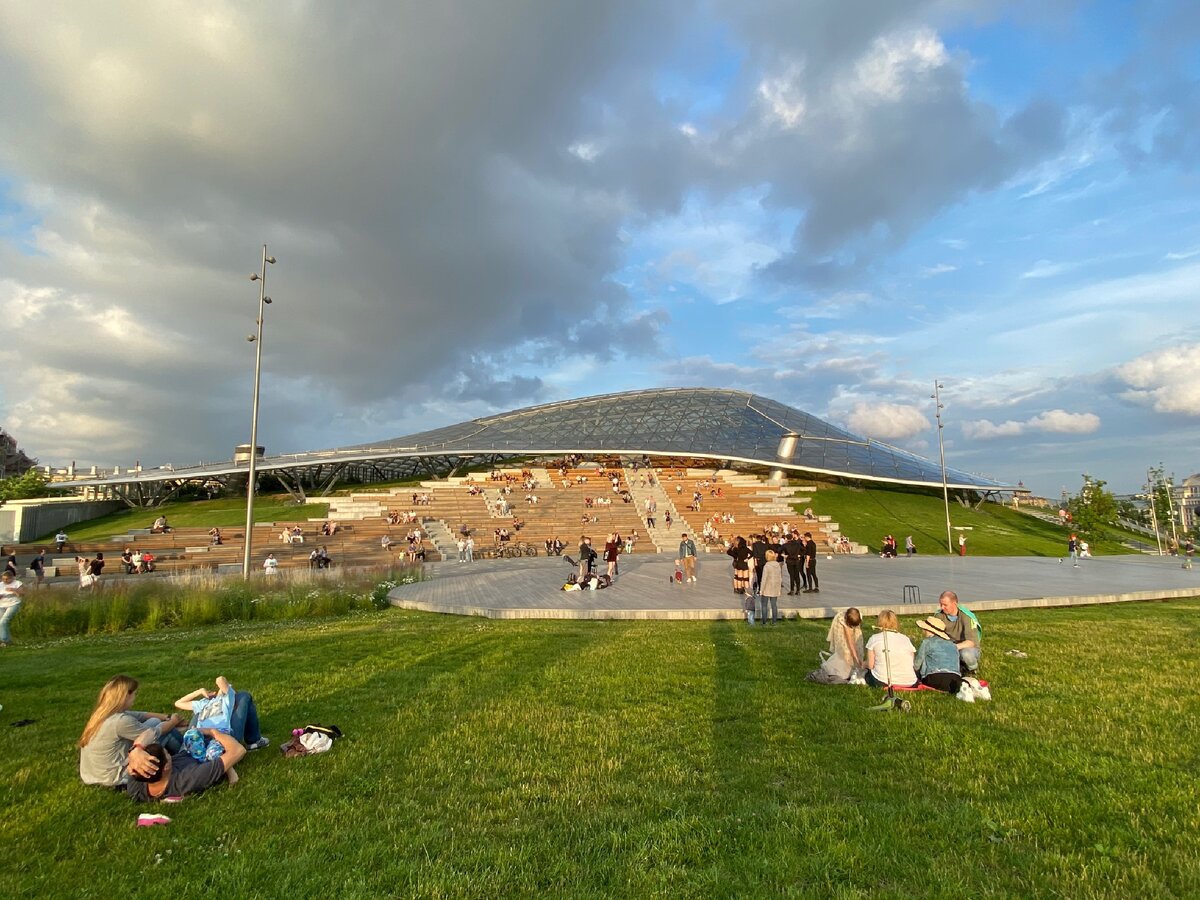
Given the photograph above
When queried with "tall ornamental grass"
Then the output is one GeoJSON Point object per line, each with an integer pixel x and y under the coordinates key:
{"type": "Point", "coordinates": [187, 601]}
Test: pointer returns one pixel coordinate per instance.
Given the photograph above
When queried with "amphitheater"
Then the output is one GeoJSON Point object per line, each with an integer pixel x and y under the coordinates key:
{"type": "Point", "coordinates": [729, 460]}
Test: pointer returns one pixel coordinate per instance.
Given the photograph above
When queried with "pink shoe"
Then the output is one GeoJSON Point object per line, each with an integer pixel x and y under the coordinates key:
{"type": "Point", "coordinates": [146, 820]}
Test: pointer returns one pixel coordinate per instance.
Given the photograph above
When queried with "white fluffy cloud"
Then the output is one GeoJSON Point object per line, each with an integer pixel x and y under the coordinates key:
{"type": "Point", "coordinates": [1059, 421]}
{"type": "Point", "coordinates": [1165, 380]}
{"type": "Point", "coordinates": [1052, 421]}
{"type": "Point", "coordinates": [887, 421]}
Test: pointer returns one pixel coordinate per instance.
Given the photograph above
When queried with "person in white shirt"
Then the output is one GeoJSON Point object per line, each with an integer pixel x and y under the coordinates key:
{"type": "Point", "coordinates": [890, 654]}
{"type": "Point", "coordinates": [270, 565]}
{"type": "Point", "coordinates": [10, 602]}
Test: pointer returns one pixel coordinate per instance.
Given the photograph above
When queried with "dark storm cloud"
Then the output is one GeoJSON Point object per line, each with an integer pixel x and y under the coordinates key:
{"type": "Point", "coordinates": [444, 186]}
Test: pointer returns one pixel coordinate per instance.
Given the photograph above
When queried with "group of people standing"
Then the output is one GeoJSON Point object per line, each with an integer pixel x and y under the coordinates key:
{"type": "Point", "coordinates": [798, 553]}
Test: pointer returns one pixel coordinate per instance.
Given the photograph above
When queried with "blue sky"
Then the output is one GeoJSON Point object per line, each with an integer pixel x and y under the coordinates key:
{"type": "Point", "coordinates": [483, 206]}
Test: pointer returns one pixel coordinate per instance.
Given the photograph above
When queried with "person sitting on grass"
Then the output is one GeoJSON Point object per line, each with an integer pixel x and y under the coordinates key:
{"type": "Point", "coordinates": [845, 654]}
{"type": "Point", "coordinates": [937, 657]}
{"type": "Point", "coordinates": [180, 774]}
{"type": "Point", "coordinates": [225, 710]}
{"type": "Point", "coordinates": [963, 629]}
{"type": "Point", "coordinates": [890, 654]}
{"type": "Point", "coordinates": [113, 744]}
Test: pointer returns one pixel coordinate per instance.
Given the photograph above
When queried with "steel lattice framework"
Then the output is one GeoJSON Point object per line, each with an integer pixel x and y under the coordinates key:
{"type": "Point", "coordinates": [725, 426]}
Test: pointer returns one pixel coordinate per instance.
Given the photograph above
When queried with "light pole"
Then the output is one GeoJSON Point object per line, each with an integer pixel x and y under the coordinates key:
{"type": "Point", "coordinates": [1170, 486]}
{"type": "Point", "coordinates": [1151, 488]}
{"type": "Point", "coordinates": [263, 300]}
{"type": "Point", "coordinates": [938, 406]}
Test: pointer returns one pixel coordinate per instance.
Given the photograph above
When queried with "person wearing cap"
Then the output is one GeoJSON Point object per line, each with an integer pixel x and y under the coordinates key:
{"type": "Point", "coordinates": [937, 657]}
{"type": "Point", "coordinates": [961, 629]}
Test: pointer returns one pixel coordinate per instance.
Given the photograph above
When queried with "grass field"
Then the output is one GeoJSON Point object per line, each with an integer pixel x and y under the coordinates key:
{"type": "Point", "coordinates": [866, 516]}
{"type": "Point", "coordinates": [601, 759]}
{"type": "Point", "coordinates": [227, 513]}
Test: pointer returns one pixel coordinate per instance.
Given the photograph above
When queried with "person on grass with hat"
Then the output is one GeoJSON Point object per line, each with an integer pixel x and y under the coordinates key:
{"type": "Point", "coordinates": [962, 628]}
{"type": "Point", "coordinates": [937, 659]}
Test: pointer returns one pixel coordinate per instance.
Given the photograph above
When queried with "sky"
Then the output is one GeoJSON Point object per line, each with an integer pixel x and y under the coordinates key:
{"type": "Point", "coordinates": [482, 206]}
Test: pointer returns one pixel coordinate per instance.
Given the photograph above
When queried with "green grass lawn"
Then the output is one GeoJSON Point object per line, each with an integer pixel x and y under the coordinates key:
{"type": "Point", "coordinates": [224, 513]}
{"type": "Point", "coordinates": [601, 759]}
{"type": "Point", "coordinates": [865, 516]}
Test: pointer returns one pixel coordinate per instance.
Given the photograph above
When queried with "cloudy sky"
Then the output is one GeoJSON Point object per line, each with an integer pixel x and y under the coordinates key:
{"type": "Point", "coordinates": [479, 206]}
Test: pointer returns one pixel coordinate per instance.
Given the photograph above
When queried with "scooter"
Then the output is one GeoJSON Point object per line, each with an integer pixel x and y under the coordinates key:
{"type": "Point", "coordinates": [891, 701]}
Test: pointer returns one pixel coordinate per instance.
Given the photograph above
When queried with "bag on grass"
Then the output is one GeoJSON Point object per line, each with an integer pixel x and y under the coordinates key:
{"type": "Point", "coordinates": [310, 740]}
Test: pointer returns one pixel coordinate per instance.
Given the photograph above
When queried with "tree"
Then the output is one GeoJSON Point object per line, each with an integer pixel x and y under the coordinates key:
{"type": "Point", "coordinates": [1093, 508]}
{"type": "Point", "coordinates": [23, 487]}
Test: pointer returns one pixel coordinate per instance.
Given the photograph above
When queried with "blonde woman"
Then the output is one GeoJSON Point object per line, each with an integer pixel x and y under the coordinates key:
{"type": "Point", "coordinates": [113, 742]}
{"type": "Point", "coordinates": [890, 654]}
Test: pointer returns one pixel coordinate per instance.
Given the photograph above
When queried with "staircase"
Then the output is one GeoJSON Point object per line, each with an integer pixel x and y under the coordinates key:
{"type": "Point", "coordinates": [665, 540]}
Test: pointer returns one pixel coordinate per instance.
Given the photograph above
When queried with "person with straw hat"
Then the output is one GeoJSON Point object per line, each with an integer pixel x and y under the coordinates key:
{"type": "Point", "coordinates": [937, 657]}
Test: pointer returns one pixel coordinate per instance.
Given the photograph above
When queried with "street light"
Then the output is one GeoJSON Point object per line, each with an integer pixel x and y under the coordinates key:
{"type": "Point", "coordinates": [938, 406]}
{"type": "Point", "coordinates": [1151, 489]}
{"type": "Point", "coordinates": [263, 300]}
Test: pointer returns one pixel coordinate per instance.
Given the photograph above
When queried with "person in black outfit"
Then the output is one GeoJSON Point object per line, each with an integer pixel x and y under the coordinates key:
{"type": "Point", "coordinates": [759, 550]}
{"type": "Point", "coordinates": [741, 565]}
{"type": "Point", "coordinates": [793, 555]}
{"type": "Point", "coordinates": [810, 564]}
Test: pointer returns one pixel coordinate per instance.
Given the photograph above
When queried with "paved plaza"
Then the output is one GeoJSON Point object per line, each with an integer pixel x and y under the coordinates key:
{"type": "Point", "coordinates": [531, 588]}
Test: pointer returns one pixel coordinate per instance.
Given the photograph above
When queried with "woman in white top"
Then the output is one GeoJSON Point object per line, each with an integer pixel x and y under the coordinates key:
{"type": "Point", "coordinates": [10, 602]}
{"type": "Point", "coordinates": [890, 654]}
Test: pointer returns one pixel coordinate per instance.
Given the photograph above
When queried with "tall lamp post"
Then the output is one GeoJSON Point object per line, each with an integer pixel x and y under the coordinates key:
{"type": "Point", "coordinates": [263, 300]}
{"type": "Point", "coordinates": [1151, 488]}
{"type": "Point", "coordinates": [1170, 486]}
{"type": "Point", "coordinates": [938, 406]}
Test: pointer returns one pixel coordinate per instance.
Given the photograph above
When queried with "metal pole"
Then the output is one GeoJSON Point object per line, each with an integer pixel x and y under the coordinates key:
{"type": "Point", "coordinates": [1150, 489]}
{"type": "Point", "coordinates": [936, 396]}
{"type": "Point", "coordinates": [1171, 507]}
{"type": "Point", "coordinates": [261, 278]}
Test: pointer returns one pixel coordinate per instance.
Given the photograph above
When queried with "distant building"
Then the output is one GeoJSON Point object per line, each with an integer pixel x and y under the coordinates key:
{"type": "Point", "coordinates": [1187, 497]}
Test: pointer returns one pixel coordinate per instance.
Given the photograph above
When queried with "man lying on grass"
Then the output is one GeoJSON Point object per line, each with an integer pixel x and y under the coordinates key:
{"type": "Point", "coordinates": [181, 775]}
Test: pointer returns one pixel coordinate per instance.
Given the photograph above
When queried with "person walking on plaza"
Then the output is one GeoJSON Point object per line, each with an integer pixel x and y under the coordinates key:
{"type": "Point", "coordinates": [810, 564]}
{"type": "Point", "coordinates": [687, 557]}
{"type": "Point", "coordinates": [38, 565]}
{"type": "Point", "coordinates": [1073, 550]}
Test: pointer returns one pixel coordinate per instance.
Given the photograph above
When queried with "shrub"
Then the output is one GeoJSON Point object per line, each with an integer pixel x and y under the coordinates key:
{"type": "Point", "coordinates": [158, 604]}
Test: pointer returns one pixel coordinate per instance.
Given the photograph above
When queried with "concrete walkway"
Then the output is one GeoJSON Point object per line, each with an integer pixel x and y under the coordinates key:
{"type": "Point", "coordinates": [530, 588]}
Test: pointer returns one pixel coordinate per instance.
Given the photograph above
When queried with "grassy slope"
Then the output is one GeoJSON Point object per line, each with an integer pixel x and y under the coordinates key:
{"type": "Point", "coordinates": [225, 513]}
{"type": "Point", "coordinates": [866, 516]}
{"type": "Point", "coordinates": [626, 759]}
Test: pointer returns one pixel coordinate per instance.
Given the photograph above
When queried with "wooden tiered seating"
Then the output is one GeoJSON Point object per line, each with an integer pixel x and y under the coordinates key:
{"type": "Point", "coordinates": [739, 498]}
